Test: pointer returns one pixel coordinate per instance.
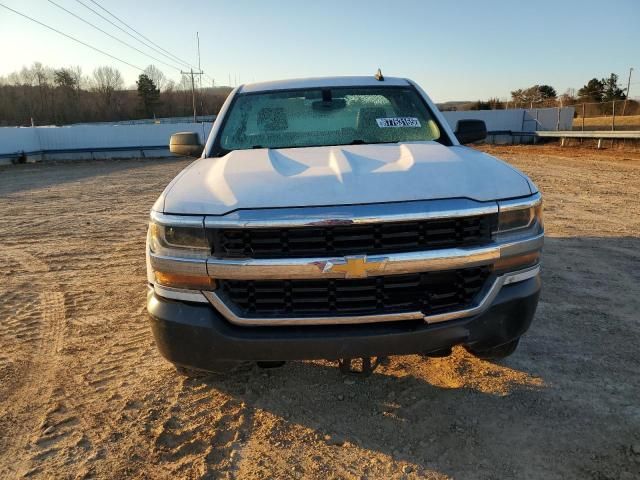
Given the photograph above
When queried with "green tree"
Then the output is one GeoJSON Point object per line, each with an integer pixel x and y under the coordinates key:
{"type": "Point", "coordinates": [611, 91]}
{"type": "Point", "coordinates": [64, 78]}
{"type": "Point", "coordinates": [547, 92]}
{"type": "Point", "coordinates": [66, 94]}
{"type": "Point", "coordinates": [593, 91]}
{"type": "Point", "coordinates": [148, 94]}
{"type": "Point", "coordinates": [156, 76]}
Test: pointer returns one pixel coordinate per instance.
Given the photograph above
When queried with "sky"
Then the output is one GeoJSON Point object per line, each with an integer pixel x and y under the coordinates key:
{"type": "Point", "coordinates": [456, 50]}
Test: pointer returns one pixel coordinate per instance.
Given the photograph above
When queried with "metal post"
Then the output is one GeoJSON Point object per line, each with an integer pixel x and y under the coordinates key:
{"type": "Point", "coordinates": [193, 97]}
{"type": "Point", "coordinates": [200, 77]}
{"type": "Point", "coordinates": [624, 106]}
{"type": "Point", "coordinates": [613, 116]}
{"type": "Point", "coordinates": [583, 113]}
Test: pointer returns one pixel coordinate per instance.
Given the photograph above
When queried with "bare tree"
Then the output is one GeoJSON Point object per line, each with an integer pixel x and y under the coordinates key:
{"type": "Point", "coordinates": [170, 86]}
{"type": "Point", "coordinates": [185, 83]}
{"type": "Point", "coordinates": [78, 78]}
{"type": "Point", "coordinates": [64, 95]}
{"type": "Point", "coordinates": [157, 77]}
{"type": "Point", "coordinates": [105, 81]}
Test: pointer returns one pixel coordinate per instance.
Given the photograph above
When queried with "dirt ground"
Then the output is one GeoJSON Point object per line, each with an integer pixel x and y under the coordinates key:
{"type": "Point", "coordinates": [85, 394]}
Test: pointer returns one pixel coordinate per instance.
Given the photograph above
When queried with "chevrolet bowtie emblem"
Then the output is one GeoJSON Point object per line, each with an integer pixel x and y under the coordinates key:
{"type": "Point", "coordinates": [354, 266]}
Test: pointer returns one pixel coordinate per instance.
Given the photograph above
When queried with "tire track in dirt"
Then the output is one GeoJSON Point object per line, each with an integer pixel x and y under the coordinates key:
{"type": "Point", "coordinates": [86, 406]}
{"type": "Point", "coordinates": [20, 323]}
{"type": "Point", "coordinates": [41, 325]}
{"type": "Point", "coordinates": [202, 432]}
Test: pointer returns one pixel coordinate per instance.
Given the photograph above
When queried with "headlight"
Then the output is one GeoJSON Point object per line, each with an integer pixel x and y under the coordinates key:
{"type": "Point", "coordinates": [520, 218]}
{"type": "Point", "coordinates": [178, 250]}
{"type": "Point", "coordinates": [178, 241]}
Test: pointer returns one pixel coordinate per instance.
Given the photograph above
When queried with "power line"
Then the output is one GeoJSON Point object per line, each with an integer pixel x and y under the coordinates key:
{"type": "Point", "coordinates": [112, 36]}
{"type": "Point", "coordinates": [70, 37]}
{"type": "Point", "coordinates": [166, 54]}
{"type": "Point", "coordinates": [132, 36]}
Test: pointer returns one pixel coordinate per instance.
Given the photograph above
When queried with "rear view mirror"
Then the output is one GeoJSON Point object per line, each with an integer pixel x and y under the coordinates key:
{"type": "Point", "coordinates": [327, 106]}
{"type": "Point", "coordinates": [186, 144]}
{"type": "Point", "coordinates": [469, 131]}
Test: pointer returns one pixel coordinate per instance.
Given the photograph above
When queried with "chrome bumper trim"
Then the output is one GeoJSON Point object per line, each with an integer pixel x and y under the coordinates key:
{"type": "Point", "coordinates": [179, 294]}
{"type": "Point", "coordinates": [351, 214]}
{"type": "Point", "coordinates": [518, 203]}
{"type": "Point", "coordinates": [489, 296]}
{"type": "Point", "coordinates": [391, 264]}
{"type": "Point", "coordinates": [193, 221]}
{"type": "Point", "coordinates": [183, 266]}
{"type": "Point", "coordinates": [299, 268]}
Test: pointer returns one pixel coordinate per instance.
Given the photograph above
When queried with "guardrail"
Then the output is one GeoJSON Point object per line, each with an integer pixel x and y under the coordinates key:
{"type": "Point", "coordinates": [600, 135]}
{"type": "Point", "coordinates": [26, 154]}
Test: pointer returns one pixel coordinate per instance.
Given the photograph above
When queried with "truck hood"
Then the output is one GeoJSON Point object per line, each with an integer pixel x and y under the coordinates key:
{"type": "Point", "coordinates": [354, 174]}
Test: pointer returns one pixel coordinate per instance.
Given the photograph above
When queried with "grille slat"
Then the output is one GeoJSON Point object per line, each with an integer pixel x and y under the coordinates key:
{"type": "Point", "coordinates": [391, 237]}
{"type": "Point", "coordinates": [430, 292]}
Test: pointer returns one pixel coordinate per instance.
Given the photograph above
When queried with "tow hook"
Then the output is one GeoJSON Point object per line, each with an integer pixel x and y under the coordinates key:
{"type": "Point", "coordinates": [349, 366]}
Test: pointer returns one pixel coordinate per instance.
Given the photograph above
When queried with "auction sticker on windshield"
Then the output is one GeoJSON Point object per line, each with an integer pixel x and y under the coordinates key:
{"type": "Point", "coordinates": [394, 122]}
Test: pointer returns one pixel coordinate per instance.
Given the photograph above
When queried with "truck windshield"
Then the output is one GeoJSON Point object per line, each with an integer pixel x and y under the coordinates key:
{"type": "Point", "coordinates": [320, 117]}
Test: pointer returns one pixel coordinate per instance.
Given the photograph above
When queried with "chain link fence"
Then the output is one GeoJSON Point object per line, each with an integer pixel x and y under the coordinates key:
{"type": "Point", "coordinates": [612, 115]}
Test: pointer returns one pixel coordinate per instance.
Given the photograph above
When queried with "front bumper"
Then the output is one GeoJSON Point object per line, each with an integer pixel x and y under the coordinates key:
{"type": "Point", "coordinates": [196, 335]}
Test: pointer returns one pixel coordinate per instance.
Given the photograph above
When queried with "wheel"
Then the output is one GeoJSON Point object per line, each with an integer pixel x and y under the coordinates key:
{"type": "Point", "coordinates": [495, 353]}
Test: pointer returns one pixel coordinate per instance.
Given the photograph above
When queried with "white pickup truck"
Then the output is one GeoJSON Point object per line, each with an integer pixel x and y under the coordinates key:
{"type": "Point", "coordinates": [340, 218]}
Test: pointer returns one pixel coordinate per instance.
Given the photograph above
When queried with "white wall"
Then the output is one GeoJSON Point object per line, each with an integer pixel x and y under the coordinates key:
{"type": "Point", "coordinates": [14, 140]}
{"type": "Point", "coordinates": [494, 119]}
{"type": "Point", "coordinates": [547, 118]}
{"type": "Point", "coordinates": [516, 120]}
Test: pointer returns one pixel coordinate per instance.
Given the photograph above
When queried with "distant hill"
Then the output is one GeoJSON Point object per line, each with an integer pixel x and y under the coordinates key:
{"type": "Point", "coordinates": [454, 105]}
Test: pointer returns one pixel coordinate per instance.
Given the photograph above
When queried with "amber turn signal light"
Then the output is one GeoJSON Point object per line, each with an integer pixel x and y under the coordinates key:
{"type": "Point", "coordinates": [518, 262]}
{"type": "Point", "coordinates": [176, 280]}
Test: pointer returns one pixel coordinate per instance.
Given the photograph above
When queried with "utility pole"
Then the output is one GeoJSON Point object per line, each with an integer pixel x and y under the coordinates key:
{"type": "Point", "coordinates": [200, 78]}
{"type": "Point", "coordinates": [193, 89]}
{"type": "Point", "coordinates": [624, 106]}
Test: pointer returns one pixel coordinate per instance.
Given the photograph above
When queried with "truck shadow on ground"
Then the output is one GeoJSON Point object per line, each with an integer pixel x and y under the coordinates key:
{"type": "Point", "coordinates": [430, 413]}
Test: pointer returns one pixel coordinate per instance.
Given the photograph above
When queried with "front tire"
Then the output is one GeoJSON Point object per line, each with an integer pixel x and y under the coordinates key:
{"type": "Point", "coordinates": [494, 353]}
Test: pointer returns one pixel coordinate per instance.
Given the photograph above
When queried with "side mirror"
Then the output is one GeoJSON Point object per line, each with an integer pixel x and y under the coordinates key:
{"type": "Point", "coordinates": [469, 131]}
{"type": "Point", "coordinates": [186, 144]}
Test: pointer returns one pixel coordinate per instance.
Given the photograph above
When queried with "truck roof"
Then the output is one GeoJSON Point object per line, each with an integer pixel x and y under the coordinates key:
{"type": "Point", "coordinates": [316, 82]}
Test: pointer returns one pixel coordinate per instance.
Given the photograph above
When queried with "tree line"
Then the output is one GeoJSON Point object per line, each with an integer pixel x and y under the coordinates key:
{"type": "Point", "coordinates": [594, 91]}
{"type": "Point", "coordinates": [42, 95]}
